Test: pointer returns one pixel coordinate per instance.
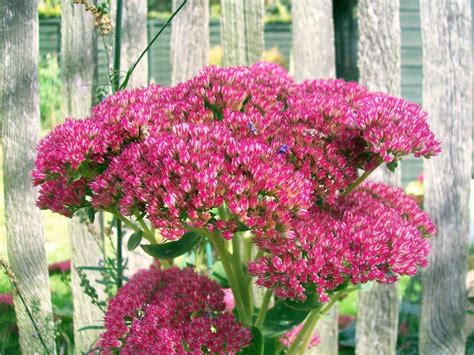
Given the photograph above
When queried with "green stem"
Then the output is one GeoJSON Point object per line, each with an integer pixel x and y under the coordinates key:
{"type": "Point", "coordinates": [359, 181]}
{"type": "Point", "coordinates": [117, 45]}
{"type": "Point", "coordinates": [264, 308]}
{"type": "Point", "coordinates": [145, 227]}
{"type": "Point", "coordinates": [308, 328]}
{"type": "Point", "coordinates": [234, 284]}
{"type": "Point", "coordinates": [242, 279]}
{"type": "Point", "coordinates": [247, 257]}
{"type": "Point", "coordinates": [23, 302]}
{"type": "Point", "coordinates": [125, 220]}
{"type": "Point", "coordinates": [304, 337]}
{"type": "Point", "coordinates": [166, 264]}
{"type": "Point", "coordinates": [149, 235]}
{"type": "Point", "coordinates": [259, 254]}
{"type": "Point", "coordinates": [119, 255]}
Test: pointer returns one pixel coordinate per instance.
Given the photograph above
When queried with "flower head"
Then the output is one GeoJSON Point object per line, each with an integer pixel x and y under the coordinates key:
{"type": "Point", "coordinates": [231, 149]}
{"type": "Point", "coordinates": [183, 176]}
{"type": "Point", "coordinates": [376, 233]}
{"type": "Point", "coordinates": [171, 311]}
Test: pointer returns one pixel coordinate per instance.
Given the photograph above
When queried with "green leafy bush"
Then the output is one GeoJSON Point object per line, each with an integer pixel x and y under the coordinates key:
{"type": "Point", "coordinates": [49, 9]}
{"type": "Point", "coordinates": [50, 92]}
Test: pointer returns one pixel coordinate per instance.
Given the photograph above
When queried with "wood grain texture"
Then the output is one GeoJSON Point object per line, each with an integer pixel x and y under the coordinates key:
{"type": "Point", "coordinates": [377, 321]}
{"type": "Point", "coordinates": [189, 40]}
{"type": "Point", "coordinates": [134, 41]}
{"type": "Point", "coordinates": [328, 331]}
{"type": "Point", "coordinates": [314, 52]}
{"type": "Point", "coordinates": [85, 251]}
{"type": "Point", "coordinates": [242, 31]}
{"type": "Point", "coordinates": [380, 70]}
{"type": "Point", "coordinates": [21, 124]}
{"type": "Point", "coordinates": [79, 72]}
{"type": "Point", "coordinates": [447, 96]}
{"type": "Point", "coordinates": [314, 58]}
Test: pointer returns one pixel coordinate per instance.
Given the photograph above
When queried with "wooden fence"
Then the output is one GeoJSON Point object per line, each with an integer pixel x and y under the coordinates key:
{"type": "Point", "coordinates": [279, 35]}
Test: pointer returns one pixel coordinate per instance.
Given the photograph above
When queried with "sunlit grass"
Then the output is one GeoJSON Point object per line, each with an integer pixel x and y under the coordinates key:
{"type": "Point", "coordinates": [54, 227]}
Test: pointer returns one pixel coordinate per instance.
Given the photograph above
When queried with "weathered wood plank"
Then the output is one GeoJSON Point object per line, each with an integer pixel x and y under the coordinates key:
{"type": "Point", "coordinates": [447, 96]}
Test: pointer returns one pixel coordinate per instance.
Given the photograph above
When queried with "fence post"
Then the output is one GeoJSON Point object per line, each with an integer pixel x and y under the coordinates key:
{"type": "Point", "coordinates": [242, 31]}
{"type": "Point", "coordinates": [380, 70]}
{"type": "Point", "coordinates": [447, 96]}
{"type": "Point", "coordinates": [134, 41]}
{"type": "Point", "coordinates": [79, 70]}
{"type": "Point", "coordinates": [19, 103]}
{"type": "Point", "coordinates": [189, 40]}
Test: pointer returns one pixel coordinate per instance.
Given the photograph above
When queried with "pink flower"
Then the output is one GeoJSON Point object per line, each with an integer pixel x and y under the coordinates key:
{"type": "Point", "coordinates": [374, 234]}
{"type": "Point", "coordinates": [186, 174]}
{"type": "Point", "coordinates": [61, 267]}
{"type": "Point", "coordinates": [247, 141]}
{"type": "Point", "coordinates": [6, 299]}
{"type": "Point", "coordinates": [171, 311]}
{"type": "Point", "coordinates": [289, 337]}
{"type": "Point", "coordinates": [229, 299]}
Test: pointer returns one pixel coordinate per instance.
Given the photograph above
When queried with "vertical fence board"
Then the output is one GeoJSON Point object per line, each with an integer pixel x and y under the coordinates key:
{"type": "Point", "coordinates": [447, 96]}
{"type": "Point", "coordinates": [379, 68]}
{"type": "Point", "coordinates": [79, 71]}
{"type": "Point", "coordinates": [19, 102]}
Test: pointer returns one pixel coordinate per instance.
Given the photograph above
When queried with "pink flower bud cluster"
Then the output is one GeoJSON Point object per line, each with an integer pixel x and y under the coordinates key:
{"type": "Point", "coordinates": [6, 299]}
{"type": "Point", "coordinates": [60, 267]}
{"type": "Point", "coordinates": [250, 141]}
{"type": "Point", "coordinates": [376, 233]}
{"type": "Point", "coordinates": [175, 311]}
{"type": "Point", "coordinates": [289, 337]}
{"type": "Point", "coordinates": [72, 154]}
{"type": "Point", "coordinates": [189, 172]}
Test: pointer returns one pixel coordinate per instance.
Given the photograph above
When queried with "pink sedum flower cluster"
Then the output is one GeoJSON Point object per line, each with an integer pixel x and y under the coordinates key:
{"type": "Point", "coordinates": [247, 148]}
{"type": "Point", "coordinates": [175, 311]}
{"type": "Point", "coordinates": [196, 168]}
{"type": "Point", "coordinates": [376, 233]}
{"type": "Point", "coordinates": [263, 126]}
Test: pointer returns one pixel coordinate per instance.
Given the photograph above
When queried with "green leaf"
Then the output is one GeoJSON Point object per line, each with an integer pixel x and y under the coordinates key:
{"type": "Point", "coordinates": [218, 274]}
{"type": "Point", "coordinates": [342, 286]}
{"type": "Point", "coordinates": [256, 345]}
{"type": "Point", "coordinates": [272, 346]}
{"type": "Point", "coordinates": [281, 318]}
{"type": "Point", "coordinates": [174, 249]}
{"type": "Point", "coordinates": [312, 302]}
{"type": "Point", "coordinates": [93, 268]}
{"type": "Point", "coordinates": [91, 327]}
{"type": "Point", "coordinates": [392, 165]}
{"type": "Point", "coordinates": [134, 240]}
{"type": "Point", "coordinates": [63, 312]}
{"type": "Point", "coordinates": [141, 216]}
{"type": "Point", "coordinates": [90, 214]}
